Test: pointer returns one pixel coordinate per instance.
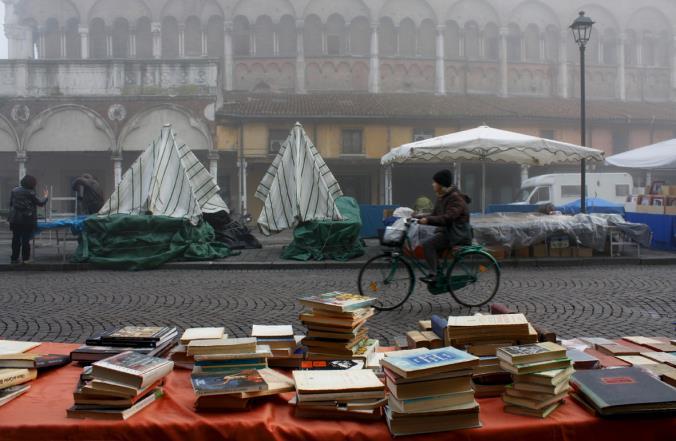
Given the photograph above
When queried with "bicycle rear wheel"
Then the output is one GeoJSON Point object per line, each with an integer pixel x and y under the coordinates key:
{"type": "Point", "coordinates": [389, 279]}
{"type": "Point", "coordinates": [474, 278]}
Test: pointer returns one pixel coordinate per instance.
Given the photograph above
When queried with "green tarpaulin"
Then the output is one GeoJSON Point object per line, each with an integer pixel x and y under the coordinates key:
{"type": "Point", "coordinates": [145, 242]}
{"type": "Point", "coordinates": [334, 240]}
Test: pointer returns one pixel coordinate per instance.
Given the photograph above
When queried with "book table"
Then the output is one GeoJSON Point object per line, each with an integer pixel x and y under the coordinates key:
{"type": "Point", "coordinates": [40, 414]}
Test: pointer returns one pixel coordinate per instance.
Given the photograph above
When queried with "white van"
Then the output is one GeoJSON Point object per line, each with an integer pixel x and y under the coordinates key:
{"type": "Point", "coordinates": [563, 188]}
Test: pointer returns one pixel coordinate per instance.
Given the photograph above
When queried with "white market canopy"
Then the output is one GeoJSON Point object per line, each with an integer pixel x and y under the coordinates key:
{"type": "Point", "coordinates": [298, 186]}
{"type": "Point", "coordinates": [487, 144]}
{"type": "Point", "coordinates": [660, 156]}
{"type": "Point", "coordinates": [166, 180]}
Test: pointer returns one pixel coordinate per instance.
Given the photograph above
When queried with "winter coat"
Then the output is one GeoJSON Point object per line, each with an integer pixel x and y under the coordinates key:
{"type": "Point", "coordinates": [450, 208]}
{"type": "Point", "coordinates": [23, 207]}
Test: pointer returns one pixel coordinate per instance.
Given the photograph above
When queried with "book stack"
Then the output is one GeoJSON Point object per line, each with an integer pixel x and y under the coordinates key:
{"type": "Point", "coordinates": [18, 369]}
{"type": "Point", "coordinates": [224, 369]}
{"type": "Point", "coordinates": [430, 391]}
{"type": "Point", "coordinates": [284, 345]}
{"type": "Point", "coordinates": [153, 341]}
{"type": "Point", "coordinates": [336, 326]}
{"type": "Point", "coordinates": [343, 394]}
{"type": "Point", "coordinates": [179, 353]}
{"type": "Point", "coordinates": [541, 375]}
{"type": "Point", "coordinates": [120, 386]}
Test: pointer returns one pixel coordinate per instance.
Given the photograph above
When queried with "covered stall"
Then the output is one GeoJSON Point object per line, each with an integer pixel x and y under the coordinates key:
{"type": "Point", "coordinates": [485, 144]}
{"type": "Point", "coordinates": [660, 156]}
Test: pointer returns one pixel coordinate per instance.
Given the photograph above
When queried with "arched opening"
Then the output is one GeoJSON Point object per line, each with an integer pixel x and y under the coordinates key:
{"type": "Point", "coordinates": [192, 37]}
{"type": "Point", "coordinates": [287, 36]}
{"type": "Point", "coordinates": [471, 40]}
{"type": "Point", "coordinates": [241, 36]}
{"type": "Point", "coordinates": [427, 39]}
{"type": "Point", "coordinates": [98, 47]}
{"type": "Point", "coordinates": [73, 43]}
{"type": "Point", "coordinates": [169, 38]}
{"type": "Point", "coordinates": [630, 49]}
{"type": "Point", "coordinates": [387, 37]}
{"type": "Point", "coordinates": [663, 49]}
{"type": "Point", "coordinates": [648, 44]}
{"type": "Point", "coordinates": [52, 39]}
{"type": "Point", "coordinates": [552, 44]}
{"type": "Point", "coordinates": [532, 43]}
{"type": "Point", "coordinates": [264, 31]}
{"type": "Point", "coordinates": [491, 42]}
{"type": "Point", "coordinates": [452, 40]}
{"type": "Point", "coordinates": [215, 37]}
{"type": "Point", "coordinates": [593, 48]}
{"type": "Point", "coordinates": [610, 47]}
{"type": "Point", "coordinates": [144, 38]}
{"type": "Point", "coordinates": [313, 36]}
{"type": "Point", "coordinates": [360, 36]}
{"type": "Point", "coordinates": [120, 38]}
{"type": "Point", "coordinates": [335, 35]}
{"type": "Point", "coordinates": [514, 43]}
{"type": "Point", "coordinates": [407, 38]}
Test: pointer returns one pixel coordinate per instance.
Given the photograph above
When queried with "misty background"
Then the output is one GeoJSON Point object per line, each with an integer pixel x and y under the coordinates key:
{"type": "Point", "coordinates": [3, 39]}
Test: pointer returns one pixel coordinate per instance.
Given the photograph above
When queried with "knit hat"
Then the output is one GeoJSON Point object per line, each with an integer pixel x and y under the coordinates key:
{"type": "Point", "coordinates": [443, 178]}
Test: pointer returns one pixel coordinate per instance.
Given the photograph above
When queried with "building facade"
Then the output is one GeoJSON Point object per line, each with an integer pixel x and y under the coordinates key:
{"type": "Point", "coordinates": [89, 82]}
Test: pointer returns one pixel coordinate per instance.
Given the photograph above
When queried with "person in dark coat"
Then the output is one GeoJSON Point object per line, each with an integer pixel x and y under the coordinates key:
{"type": "Point", "coordinates": [451, 216]}
{"type": "Point", "coordinates": [89, 193]}
{"type": "Point", "coordinates": [23, 216]}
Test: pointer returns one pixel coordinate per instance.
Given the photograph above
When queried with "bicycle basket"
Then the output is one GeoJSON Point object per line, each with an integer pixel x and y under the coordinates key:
{"type": "Point", "coordinates": [393, 237]}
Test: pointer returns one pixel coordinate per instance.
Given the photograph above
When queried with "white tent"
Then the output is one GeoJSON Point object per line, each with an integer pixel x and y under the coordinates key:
{"type": "Point", "coordinates": [167, 180]}
{"type": "Point", "coordinates": [660, 156]}
{"type": "Point", "coordinates": [298, 186]}
{"type": "Point", "coordinates": [486, 144]}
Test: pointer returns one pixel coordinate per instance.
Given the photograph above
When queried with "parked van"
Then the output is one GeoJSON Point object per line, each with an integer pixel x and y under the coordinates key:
{"type": "Point", "coordinates": [563, 188]}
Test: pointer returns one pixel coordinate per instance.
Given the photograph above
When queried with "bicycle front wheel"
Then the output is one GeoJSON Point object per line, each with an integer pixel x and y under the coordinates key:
{"type": "Point", "coordinates": [389, 279]}
{"type": "Point", "coordinates": [474, 278]}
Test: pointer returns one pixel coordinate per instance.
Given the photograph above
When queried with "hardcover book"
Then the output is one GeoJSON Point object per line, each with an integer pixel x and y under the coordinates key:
{"type": "Point", "coordinates": [337, 301]}
{"type": "Point", "coordinates": [314, 381]}
{"type": "Point", "coordinates": [236, 382]}
{"type": "Point", "coordinates": [531, 353]}
{"type": "Point", "coordinates": [582, 360]}
{"type": "Point", "coordinates": [222, 346]}
{"type": "Point", "coordinates": [16, 347]}
{"type": "Point", "coordinates": [10, 393]}
{"type": "Point", "coordinates": [539, 366]}
{"type": "Point", "coordinates": [14, 377]}
{"type": "Point", "coordinates": [33, 361]}
{"type": "Point", "coordinates": [133, 369]}
{"type": "Point", "coordinates": [152, 333]}
{"type": "Point", "coordinates": [430, 362]}
{"type": "Point", "coordinates": [272, 331]}
{"type": "Point", "coordinates": [202, 334]}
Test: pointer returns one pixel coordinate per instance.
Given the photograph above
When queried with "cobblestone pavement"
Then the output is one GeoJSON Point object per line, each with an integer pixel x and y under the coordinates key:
{"type": "Point", "coordinates": [573, 301]}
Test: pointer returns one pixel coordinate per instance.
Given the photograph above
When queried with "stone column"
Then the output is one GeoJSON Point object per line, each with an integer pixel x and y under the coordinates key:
{"type": "Point", "coordinates": [21, 159]}
{"type": "Point", "coordinates": [503, 62]}
{"type": "Point", "coordinates": [132, 43]}
{"type": "Point", "coordinates": [117, 168]}
{"type": "Point", "coordinates": [62, 43]}
{"type": "Point", "coordinates": [374, 68]}
{"type": "Point", "coordinates": [622, 68]}
{"type": "Point", "coordinates": [300, 57]}
{"type": "Point", "coordinates": [228, 68]}
{"type": "Point", "coordinates": [84, 41]}
{"type": "Point", "coordinates": [213, 164]}
{"type": "Point", "coordinates": [41, 43]}
{"type": "Point", "coordinates": [181, 40]}
{"type": "Point", "coordinates": [441, 63]}
{"type": "Point", "coordinates": [156, 29]}
{"type": "Point", "coordinates": [563, 64]}
{"type": "Point", "coordinates": [109, 43]}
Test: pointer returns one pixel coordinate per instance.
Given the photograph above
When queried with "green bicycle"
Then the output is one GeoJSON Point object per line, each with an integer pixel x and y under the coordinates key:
{"type": "Point", "coordinates": [472, 277]}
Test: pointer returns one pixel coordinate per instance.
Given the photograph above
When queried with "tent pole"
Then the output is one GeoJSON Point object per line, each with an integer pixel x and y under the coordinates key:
{"type": "Point", "coordinates": [483, 187]}
{"type": "Point", "coordinates": [388, 185]}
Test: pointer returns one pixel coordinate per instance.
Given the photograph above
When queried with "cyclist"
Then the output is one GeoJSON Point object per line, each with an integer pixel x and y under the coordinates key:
{"type": "Point", "coordinates": [451, 216]}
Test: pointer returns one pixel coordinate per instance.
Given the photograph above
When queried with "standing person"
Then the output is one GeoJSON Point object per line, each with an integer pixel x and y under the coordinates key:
{"type": "Point", "coordinates": [451, 215]}
{"type": "Point", "coordinates": [23, 216]}
{"type": "Point", "coordinates": [89, 193]}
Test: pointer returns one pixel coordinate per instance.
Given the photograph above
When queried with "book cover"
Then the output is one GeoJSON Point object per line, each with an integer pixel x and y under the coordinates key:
{"type": "Point", "coordinates": [429, 360]}
{"type": "Point", "coordinates": [337, 301]}
{"type": "Point", "coordinates": [249, 380]}
{"type": "Point", "coordinates": [583, 360]}
{"type": "Point", "coordinates": [132, 363]}
{"type": "Point", "coordinates": [439, 325]}
{"type": "Point", "coordinates": [332, 365]}
{"type": "Point", "coordinates": [319, 381]}
{"type": "Point", "coordinates": [10, 393]}
{"type": "Point", "coordinates": [137, 333]}
{"type": "Point", "coordinates": [33, 361]}
{"type": "Point", "coordinates": [272, 331]}
{"type": "Point", "coordinates": [516, 320]}
{"type": "Point", "coordinates": [16, 347]}
{"type": "Point", "coordinates": [14, 377]}
{"type": "Point", "coordinates": [191, 334]}
{"type": "Point", "coordinates": [539, 351]}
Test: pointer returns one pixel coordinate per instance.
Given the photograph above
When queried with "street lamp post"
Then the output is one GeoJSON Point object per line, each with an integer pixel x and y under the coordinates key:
{"type": "Point", "coordinates": [581, 28]}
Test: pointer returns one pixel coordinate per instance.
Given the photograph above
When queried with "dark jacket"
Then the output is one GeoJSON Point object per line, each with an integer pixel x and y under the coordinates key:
{"type": "Point", "coordinates": [92, 198]}
{"type": "Point", "coordinates": [23, 207]}
{"type": "Point", "coordinates": [450, 208]}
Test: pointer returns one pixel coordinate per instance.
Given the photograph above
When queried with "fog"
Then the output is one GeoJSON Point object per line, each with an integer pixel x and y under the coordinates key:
{"type": "Point", "coordinates": [3, 39]}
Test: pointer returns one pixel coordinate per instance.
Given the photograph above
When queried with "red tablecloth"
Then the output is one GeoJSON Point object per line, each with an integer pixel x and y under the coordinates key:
{"type": "Point", "coordinates": [40, 414]}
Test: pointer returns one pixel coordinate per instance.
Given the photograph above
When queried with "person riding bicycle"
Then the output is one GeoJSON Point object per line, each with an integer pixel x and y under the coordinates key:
{"type": "Point", "coordinates": [451, 214]}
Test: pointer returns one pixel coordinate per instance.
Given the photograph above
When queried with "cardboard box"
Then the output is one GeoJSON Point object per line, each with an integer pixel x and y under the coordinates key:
{"type": "Point", "coordinates": [583, 252]}
{"type": "Point", "coordinates": [524, 251]}
{"type": "Point", "coordinates": [671, 210]}
{"type": "Point", "coordinates": [539, 250]}
{"type": "Point", "coordinates": [650, 209]}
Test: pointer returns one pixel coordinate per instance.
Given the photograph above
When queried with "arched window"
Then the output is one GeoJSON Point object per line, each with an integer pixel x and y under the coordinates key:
{"type": "Point", "coordinates": [514, 43]}
{"type": "Point", "coordinates": [169, 38]}
{"type": "Point", "coordinates": [610, 47]}
{"type": "Point", "coordinates": [144, 39]}
{"type": "Point", "coordinates": [630, 49]}
{"type": "Point", "coordinates": [241, 36]}
{"type": "Point", "coordinates": [265, 36]}
{"type": "Point", "coordinates": [73, 43]}
{"type": "Point", "coordinates": [471, 40]}
{"type": "Point", "coordinates": [407, 38]}
{"type": "Point", "coordinates": [532, 42]}
{"type": "Point", "coordinates": [593, 46]}
{"type": "Point", "coordinates": [215, 37]}
{"type": "Point", "coordinates": [287, 36]}
{"type": "Point", "coordinates": [313, 32]}
{"type": "Point", "coordinates": [663, 49]}
{"type": "Point", "coordinates": [648, 49]}
{"type": "Point", "coordinates": [387, 37]}
{"type": "Point", "coordinates": [120, 38]}
{"type": "Point", "coordinates": [427, 39]}
{"type": "Point", "coordinates": [98, 47]}
{"type": "Point", "coordinates": [192, 37]}
{"type": "Point", "coordinates": [552, 35]}
{"type": "Point", "coordinates": [52, 39]}
{"type": "Point", "coordinates": [335, 35]}
{"type": "Point", "coordinates": [491, 41]}
{"type": "Point", "coordinates": [360, 36]}
{"type": "Point", "coordinates": [452, 40]}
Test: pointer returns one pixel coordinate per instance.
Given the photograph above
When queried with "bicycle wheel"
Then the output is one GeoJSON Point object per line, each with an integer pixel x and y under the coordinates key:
{"type": "Point", "coordinates": [474, 278]}
{"type": "Point", "coordinates": [387, 278]}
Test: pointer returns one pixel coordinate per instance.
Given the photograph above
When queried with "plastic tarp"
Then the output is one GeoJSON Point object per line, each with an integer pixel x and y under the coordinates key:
{"type": "Point", "coordinates": [516, 230]}
{"type": "Point", "coordinates": [146, 242]}
{"type": "Point", "coordinates": [232, 233]}
{"type": "Point", "coordinates": [76, 224]}
{"type": "Point", "coordinates": [594, 205]}
{"type": "Point", "coordinates": [653, 157]}
{"type": "Point", "coordinates": [333, 240]}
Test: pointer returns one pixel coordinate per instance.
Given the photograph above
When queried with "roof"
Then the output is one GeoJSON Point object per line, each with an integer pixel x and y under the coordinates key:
{"type": "Point", "coordinates": [240, 105]}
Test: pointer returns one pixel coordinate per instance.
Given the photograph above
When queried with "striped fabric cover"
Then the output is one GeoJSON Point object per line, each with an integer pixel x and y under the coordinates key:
{"type": "Point", "coordinates": [167, 180]}
{"type": "Point", "coordinates": [298, 187]}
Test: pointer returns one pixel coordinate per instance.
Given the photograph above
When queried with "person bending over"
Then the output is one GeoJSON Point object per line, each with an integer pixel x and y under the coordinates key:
{"type": "Point", "coordinates": [451, 216]}
{"type": "Point", "coordinates": [23, 216]}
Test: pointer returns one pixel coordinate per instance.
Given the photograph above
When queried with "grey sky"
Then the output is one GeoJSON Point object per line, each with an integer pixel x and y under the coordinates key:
{"type": "Point", "coordinates": [3, 40]}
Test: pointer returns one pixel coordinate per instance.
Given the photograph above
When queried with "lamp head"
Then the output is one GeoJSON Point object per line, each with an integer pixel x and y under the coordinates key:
{"type": "Point", "coordinates": [581, 29]}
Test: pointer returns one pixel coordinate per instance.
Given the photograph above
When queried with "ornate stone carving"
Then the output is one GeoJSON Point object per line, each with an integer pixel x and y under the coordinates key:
{"type": "Point", "coordinates": [21, 113]}
{"type": "Point", "coordinates": [117, 112]}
